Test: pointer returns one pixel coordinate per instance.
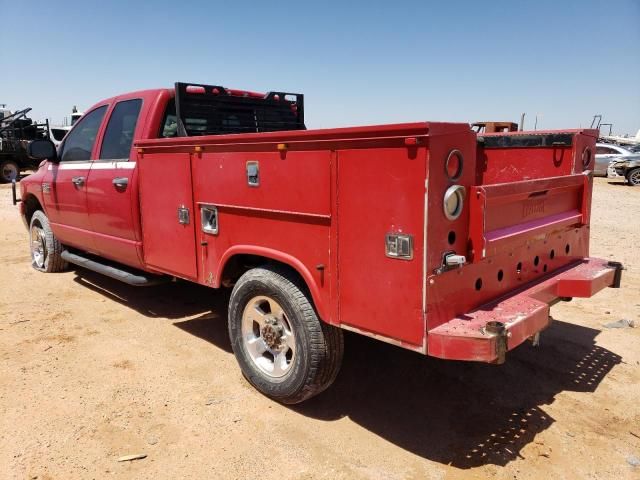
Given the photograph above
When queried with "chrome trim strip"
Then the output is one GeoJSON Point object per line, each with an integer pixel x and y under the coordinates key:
{"type": "Point", "coordinates": [97, 165]}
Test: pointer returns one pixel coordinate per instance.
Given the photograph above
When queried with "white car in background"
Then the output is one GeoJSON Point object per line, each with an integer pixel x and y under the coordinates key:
{"type": "Point", "coordinates": [56, 134]}
{"type": "Point", "coordinates": [607, 153]}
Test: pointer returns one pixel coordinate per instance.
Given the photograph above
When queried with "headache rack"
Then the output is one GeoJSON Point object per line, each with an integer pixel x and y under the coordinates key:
{"type": "Point", "coordinates": [215, 110]}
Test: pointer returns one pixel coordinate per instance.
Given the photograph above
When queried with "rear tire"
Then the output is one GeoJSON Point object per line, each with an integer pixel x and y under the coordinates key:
{"type": "Point", "coordinates": [46, 250]}
{"type": "Point", "coordinates": [9, 171]}
{"type": "Point", "coordinates": [283, 348]}
{"type": "Point", "coordinates": [633, 177]}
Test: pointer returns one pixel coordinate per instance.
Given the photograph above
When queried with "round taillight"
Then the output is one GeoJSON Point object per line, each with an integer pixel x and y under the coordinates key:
{"type": "Point", "coordinates": [453, 165]}
{"type": "Point", "coordinates": [453, 201]}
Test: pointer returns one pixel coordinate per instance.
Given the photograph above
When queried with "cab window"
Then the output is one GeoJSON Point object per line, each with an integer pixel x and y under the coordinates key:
{"type": "Point", "coordinates": [606, 151]}
{"type": "Point", "coordinates": [79, 142]}
{"type": "Point", "coordinates": [169, 128]}
{"type": "Point", "coordinates": [118, 137]}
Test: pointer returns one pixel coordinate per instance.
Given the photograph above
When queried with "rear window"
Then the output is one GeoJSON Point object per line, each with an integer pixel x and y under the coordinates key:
{"type": "Point", "coordinates": [169, 127]}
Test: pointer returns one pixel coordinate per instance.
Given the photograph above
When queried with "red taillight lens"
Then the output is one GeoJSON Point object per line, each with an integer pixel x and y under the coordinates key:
{"type": "Point", "coordinates": [194, 89]}
{"type": "Point", "coordinates": [453, 164]}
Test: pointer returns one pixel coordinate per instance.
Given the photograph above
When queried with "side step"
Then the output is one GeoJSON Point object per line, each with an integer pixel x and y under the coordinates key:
{"type": "Point", "coordinates": [136, 280]}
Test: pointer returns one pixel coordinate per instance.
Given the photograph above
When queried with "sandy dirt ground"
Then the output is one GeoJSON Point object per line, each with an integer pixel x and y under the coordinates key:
{"type": "Point", "coordinates": [92, 370]}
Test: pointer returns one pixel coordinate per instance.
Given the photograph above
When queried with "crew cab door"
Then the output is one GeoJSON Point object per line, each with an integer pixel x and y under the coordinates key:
{"type": "Point", "coordinates": [112, 193]}
{"type": "Point", "coordinates": [64, 186]}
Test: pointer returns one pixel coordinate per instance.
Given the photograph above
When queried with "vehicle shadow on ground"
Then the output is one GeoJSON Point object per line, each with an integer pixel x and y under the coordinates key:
{"type": "Point", "coordinates": [173, 301]}
{"type": "Point", "coordinates": [620, 183]}
{"type": "Point", "coordinates": [456, 413]}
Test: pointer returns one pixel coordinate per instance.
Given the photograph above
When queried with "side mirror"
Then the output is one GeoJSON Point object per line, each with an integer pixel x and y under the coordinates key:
{"type": "Point", "coordinates": [42, 149]}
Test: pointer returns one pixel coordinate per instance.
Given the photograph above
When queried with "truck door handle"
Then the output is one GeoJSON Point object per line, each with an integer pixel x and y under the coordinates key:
{"type": "Point", "coordinates": [120, 182]}
{"type": "Point", "coordinates": [78, 181]}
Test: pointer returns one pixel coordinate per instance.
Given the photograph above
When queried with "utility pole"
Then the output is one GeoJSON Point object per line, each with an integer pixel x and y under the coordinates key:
{"type": "Point", "coordinates": [522, 121]}
{"type": "Point", "coordinates": [535, 126]}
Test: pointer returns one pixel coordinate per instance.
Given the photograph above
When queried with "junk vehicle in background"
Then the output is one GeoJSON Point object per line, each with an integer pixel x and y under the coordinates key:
{"type": "Point", "coordinates": [627, 168]}
{"type": "Point", "coordinates": [606, 154]}
{"type": "Point", "coordinates": [58, 132]}
{"type": "Point", "coordinates": [494, 127]}
{"type": "Point", "coordinates": [16, 131]}
{"type": "Point", "coordinates": [424, 235]}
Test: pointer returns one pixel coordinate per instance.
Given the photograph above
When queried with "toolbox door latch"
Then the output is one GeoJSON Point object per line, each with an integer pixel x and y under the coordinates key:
{"type": "Point", "coordinates": [399, 245]}
{"type": "Point", "coordinates": [183, 215]}
{"type": "Point", "coordinates": [253, 174]}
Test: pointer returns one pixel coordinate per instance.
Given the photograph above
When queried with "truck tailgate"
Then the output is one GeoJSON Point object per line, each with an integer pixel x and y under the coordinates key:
{"type": "Point", "coordinates": [506, 214]}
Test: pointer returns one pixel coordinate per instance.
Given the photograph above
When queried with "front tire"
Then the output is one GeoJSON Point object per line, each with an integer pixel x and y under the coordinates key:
{"type": "Point", "coordinates": [283, 348]}
{"type": "Point", "coordinates": [46, 250]}
{"type": "Point", "coordinates": [633, 177]}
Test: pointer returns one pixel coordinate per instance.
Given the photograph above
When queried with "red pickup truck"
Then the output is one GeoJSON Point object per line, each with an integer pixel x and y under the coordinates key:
{"type": "Point", "coordinates": [424, 235]}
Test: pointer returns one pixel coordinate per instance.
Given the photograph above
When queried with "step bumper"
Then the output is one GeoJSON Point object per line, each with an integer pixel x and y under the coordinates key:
{"type": "Point", "coordinates": [487, 333]}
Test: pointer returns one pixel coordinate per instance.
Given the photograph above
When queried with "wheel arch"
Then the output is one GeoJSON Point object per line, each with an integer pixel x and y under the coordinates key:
{"type": "Point", "coordinates": [232, 265]}
{"type": "Point", "coordinates": [31, 204]}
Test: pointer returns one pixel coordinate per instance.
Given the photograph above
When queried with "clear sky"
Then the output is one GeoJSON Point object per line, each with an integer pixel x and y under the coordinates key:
{"type": "Point", "coordinates": [357, 62]}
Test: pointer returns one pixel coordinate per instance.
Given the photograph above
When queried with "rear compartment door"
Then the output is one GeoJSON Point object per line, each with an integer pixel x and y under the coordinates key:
{"type": "Point", "coordinates": [381, 192]}
{"type": "Point", "coordinates": [167, 214]}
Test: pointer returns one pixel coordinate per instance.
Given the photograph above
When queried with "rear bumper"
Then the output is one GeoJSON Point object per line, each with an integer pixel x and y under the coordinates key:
{"type": "Point", "coordinates": [487, 333]}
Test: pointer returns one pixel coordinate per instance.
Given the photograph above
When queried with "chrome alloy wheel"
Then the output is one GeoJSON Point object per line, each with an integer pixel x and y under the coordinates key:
{"type": "Point", "coordinates": [634, 178]}
{"type": "Point", "coordinates": [38, 245]}
{"type": "Point", "coordinates": [267, 336]}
